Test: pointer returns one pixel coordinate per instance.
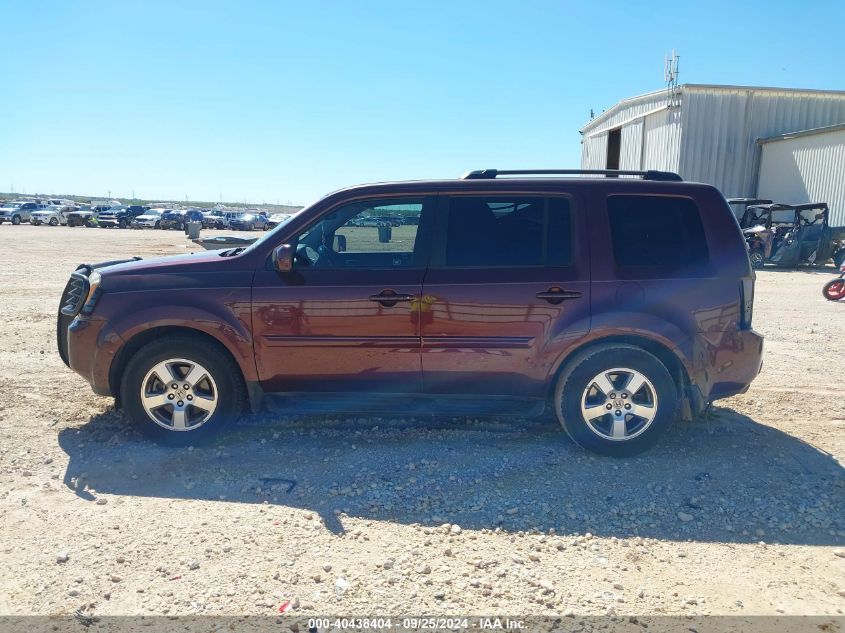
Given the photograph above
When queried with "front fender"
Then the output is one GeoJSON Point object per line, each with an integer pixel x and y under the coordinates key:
{"type": "Point", "coordinates": [225, 315]}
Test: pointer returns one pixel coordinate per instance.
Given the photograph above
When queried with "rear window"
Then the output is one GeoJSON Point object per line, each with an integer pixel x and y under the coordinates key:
{"type": "Point", "coordinates": [656, 232]}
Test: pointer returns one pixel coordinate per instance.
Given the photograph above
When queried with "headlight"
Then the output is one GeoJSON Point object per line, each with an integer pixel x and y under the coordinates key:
{"type": "Point", "coordinates": [94, 292]}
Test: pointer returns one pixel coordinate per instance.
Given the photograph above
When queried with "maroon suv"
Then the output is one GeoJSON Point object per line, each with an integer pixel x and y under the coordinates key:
{"type": "Point", "coordinates": [623, 301]}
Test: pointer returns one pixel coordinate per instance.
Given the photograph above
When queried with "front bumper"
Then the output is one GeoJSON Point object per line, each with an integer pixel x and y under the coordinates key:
{"type": "Point", "coordinates": [91, 347]}
{"type": "Point", "coordinates": [86, 344]}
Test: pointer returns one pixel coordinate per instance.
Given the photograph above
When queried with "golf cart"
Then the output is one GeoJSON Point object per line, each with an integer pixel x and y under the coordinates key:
{"type": "Point", "coordinates": [791, 234]}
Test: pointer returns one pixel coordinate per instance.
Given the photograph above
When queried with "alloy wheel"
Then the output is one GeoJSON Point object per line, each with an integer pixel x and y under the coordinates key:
{"type": "Point", "coordinates": [619, 404]}
{"type": "Point", "coordinates": [179, 394]}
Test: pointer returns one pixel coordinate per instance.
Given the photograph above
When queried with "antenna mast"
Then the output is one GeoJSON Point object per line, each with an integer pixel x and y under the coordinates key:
{"type": "Point", "coordinates": [670, 76]}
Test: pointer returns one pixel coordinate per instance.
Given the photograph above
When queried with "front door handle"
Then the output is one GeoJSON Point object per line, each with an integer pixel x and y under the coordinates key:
{"type": "Point", "coordinates": [556, 295]}
{"type": "Point", "coordinates": [389, 298]}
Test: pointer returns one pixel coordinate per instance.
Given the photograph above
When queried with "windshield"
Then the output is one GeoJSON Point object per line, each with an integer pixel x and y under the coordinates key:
{"type": "Point", "coordinates": [13, 205]}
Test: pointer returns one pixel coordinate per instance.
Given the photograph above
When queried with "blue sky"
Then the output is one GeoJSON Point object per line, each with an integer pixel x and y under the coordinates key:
{"type": "Point", "coordinates": [285, 101]}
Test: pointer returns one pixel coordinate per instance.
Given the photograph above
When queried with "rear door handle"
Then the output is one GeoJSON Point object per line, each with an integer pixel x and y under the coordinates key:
{"type": "Point", "coordinates": [389, 298]}
{"type": "Point", "coordinates": [556, 295]}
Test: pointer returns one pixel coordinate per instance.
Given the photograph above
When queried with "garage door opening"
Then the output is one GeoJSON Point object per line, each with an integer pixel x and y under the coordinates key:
{"type": "Point", "coordinates": [614, 145]}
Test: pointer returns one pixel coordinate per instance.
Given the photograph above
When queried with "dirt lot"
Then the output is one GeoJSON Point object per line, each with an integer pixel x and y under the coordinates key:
{"type": "Point", "coordinates": [742, 513]}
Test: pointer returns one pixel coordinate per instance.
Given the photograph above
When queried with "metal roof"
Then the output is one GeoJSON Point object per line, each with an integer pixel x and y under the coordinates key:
{"type": "Point", "coordinates": [811, 132]}
{"type": "Point", "coordinates": [683, 87]}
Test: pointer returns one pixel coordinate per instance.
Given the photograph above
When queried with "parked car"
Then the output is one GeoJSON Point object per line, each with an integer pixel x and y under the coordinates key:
{"type": "Point", "coordinates": [120, 217]}
{"type": "Point", "coordinates": [150, 219]}
{"type": "Point", "coordinates": [214, 219]}
{"type": "Point", "coordinates": [248, 222]}
{"type": "Point", "coordinates": [621, 303]}
{"type": "Point", "coordinates": [176, 219]}
{"type": "Point", "coordinates": [52, 216]}
{"type": "Point", "coordinates": [83, 216]}
{"type": "Point", "coordinates": [278, 218]}
{"type": "Point", "coordinates": [17, 212]}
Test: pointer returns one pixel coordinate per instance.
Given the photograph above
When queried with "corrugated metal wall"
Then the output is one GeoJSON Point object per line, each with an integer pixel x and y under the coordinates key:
{"type": "Point", "coordinates": [594, 152]}
{"type": "Point", "coordinates": [713, 136]}
{"type": "Point", "coordinates": [631, 147]}
{"type": "Point", "coordinates": [722, 126]}
{"type": "Point", "coordinates": [806, 169]}
{"type": "Point", "coordinates": [630, 118]}
{"type": "Point", "coordinates": [662, 143]}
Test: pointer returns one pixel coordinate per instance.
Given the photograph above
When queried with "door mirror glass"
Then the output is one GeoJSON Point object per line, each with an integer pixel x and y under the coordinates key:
{"type": "Point", "coordinates": [283, 258]}
{"type": "Point", "coordinates": [340, 243]}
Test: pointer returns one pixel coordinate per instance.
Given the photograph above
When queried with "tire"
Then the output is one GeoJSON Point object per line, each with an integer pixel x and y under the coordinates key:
{"type": "Point", "coordinates": [834, 290]}
{"type": "Point", "coordinates": [121, 224]}
{"type": "Point", "coordinates": [157, 225]}
{"type": "Point", "coordinates": [625, 434]}
{"type": "Point", "coordinates": [34, 222]}
{"type": "Point", "coordinates": [839, 258]}
{"type": "Point", "coordinates": [250, 227]}
{"type": "Point", "coordinates": [54, 222]}
{"type": "Point", "coordinates": [16, 219]}
{"type": "Point", "coordinates": [757, 259]}
{"type": "Point", "coordinates": [174, 356]}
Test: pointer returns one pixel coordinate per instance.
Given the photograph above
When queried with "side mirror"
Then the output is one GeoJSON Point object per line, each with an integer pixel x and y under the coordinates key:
{"type": "Point", "coordinates": [283, 258]}
{"type": "Point", "coordinates": [339, 243]}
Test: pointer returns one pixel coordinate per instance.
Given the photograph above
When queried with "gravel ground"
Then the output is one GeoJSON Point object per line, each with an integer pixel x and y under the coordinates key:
{"type": "Point", "coordinates": [742, 513]}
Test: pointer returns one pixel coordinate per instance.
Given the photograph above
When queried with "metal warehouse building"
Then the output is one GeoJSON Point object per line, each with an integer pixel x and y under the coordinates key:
{"type": "Point", "coordinates": [780, 143]}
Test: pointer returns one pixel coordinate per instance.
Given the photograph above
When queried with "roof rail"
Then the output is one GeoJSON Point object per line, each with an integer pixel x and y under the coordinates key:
{"type": "Point", "coordinates": [651, 174]}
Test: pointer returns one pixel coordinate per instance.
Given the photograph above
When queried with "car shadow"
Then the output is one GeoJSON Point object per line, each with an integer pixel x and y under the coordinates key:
{"type": "Point", "coordinates": [723, 478]}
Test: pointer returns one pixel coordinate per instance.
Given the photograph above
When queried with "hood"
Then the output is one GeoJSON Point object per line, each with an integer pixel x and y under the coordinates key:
{"type": "Point", "coordinates": [176, 264]}
{"type": "Point", "coordinates": [192, 270]}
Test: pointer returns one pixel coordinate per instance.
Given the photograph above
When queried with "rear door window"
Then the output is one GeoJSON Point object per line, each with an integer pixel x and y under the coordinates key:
{"type": "Point", "coordinates": [507, 231]}
{"type": "Point", "coordinates": [656, 233]}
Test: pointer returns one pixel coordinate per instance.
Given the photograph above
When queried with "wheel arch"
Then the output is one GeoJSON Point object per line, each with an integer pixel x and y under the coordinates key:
{"type": "Point", "coordinates": [670, 359]}
{"type": "Point", "coordinates": [144, 337]}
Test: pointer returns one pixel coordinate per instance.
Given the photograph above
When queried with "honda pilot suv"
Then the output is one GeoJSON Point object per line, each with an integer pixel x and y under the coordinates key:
{"type": "Point", "coordinates": [622, 302]}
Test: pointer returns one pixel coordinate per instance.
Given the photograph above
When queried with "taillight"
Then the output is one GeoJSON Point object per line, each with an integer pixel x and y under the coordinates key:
{"type": "Point", "coordinates": [746, 302]}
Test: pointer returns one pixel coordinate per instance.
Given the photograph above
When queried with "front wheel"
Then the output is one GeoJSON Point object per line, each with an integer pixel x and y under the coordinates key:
{"type": "Point", "coordinates": [757, 259]}
{"type": "Point", "coordinates": [834, 290]}
{"type": "Point", "coordinates": [54, 221]}
{"type": "Point", "coordinates": [16, 220]}
{"type": "Point", "coordinates": [181, 390]}
{"type": "Point", "coordinates": [616, 400]}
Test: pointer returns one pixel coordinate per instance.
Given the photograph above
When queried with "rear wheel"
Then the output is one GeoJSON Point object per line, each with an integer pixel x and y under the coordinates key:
{"type": "Point", "coordinates": [834, 290]}
{"type": "Point", "coordinates": [616, 400]}
{"type": "Point", "coordinates": [839, 257]}
{"type": "Point", "coordinates": [181, 390]}
{"type": "Point", "coordinates": [158, 225]}
{"type": "Point", "coordinates": [757, 258]}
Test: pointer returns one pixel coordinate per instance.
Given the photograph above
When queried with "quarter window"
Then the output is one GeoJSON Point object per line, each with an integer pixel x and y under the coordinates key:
{"type": "Point", "coordinates": [656, 232]}
{"type": "Point", "coordinates": [508, 231]}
